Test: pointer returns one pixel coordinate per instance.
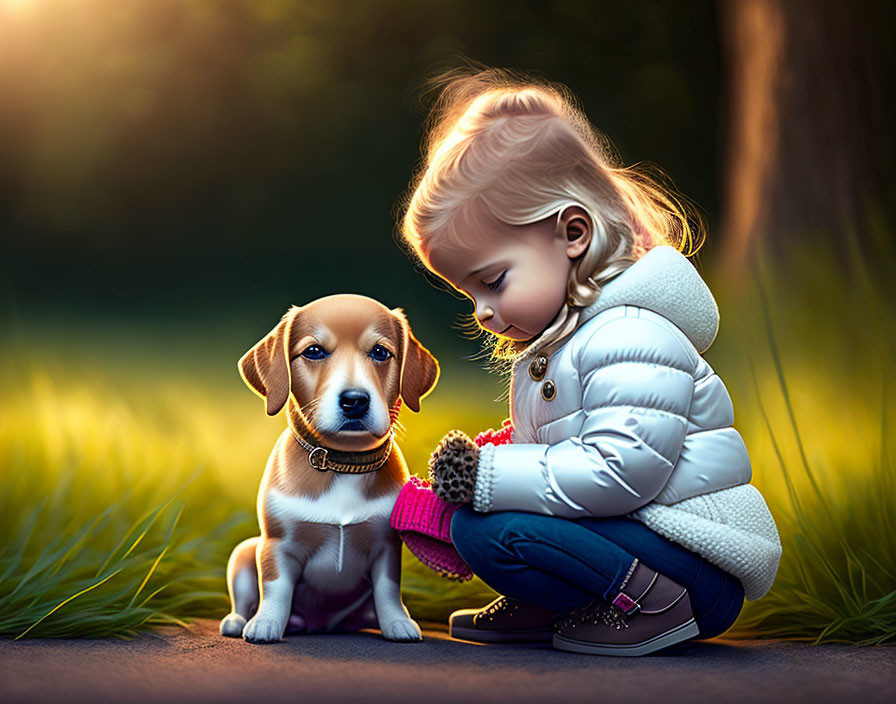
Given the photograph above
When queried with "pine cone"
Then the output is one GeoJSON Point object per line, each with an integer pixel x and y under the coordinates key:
{"type": "Point", "coordinates": [452, 467]}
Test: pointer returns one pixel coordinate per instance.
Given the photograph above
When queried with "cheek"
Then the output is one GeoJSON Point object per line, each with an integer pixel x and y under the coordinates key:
{"type": "Point", "coordinates": [553, 282]}
{"type": "Point", "coordinates": [386, 379]}
{"type": "Point", "coordinates": [541, 289]}
{"type": "Point", "coordinates": [305, 380]}
{"type": "Point", "coordinates": [536, 300]}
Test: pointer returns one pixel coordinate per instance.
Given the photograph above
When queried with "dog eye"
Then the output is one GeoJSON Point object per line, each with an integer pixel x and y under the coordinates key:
{"type": "Point", "coordinates": [380, 353]}
{"type": "Point", "coordinates": [314, 352]}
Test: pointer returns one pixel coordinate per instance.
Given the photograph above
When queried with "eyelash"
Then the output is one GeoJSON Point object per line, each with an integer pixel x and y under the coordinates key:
{"type": "Point", "coordinates": [497, 282]}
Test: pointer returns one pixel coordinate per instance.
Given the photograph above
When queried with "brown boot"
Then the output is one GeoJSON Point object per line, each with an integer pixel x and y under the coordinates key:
{"type": "Point", "coordinates": [502, 621]}
{"type": "Point", "coordinates": [649, 613]}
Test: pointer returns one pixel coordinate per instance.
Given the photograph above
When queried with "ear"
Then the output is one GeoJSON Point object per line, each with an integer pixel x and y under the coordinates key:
{"type": "Point", "coordinates": [575, 226]}
{"type": "Point", "coordinates": [265, 368]}
{"type": "Point", "coordinates": [419, 369]}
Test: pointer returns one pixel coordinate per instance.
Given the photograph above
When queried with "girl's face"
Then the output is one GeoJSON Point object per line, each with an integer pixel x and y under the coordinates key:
{"type": "Point", "coordinates": [517, 275]}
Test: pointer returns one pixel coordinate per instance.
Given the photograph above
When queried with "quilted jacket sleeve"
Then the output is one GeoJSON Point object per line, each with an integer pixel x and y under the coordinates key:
{"type": "Point", "coordinates": [637, 380]}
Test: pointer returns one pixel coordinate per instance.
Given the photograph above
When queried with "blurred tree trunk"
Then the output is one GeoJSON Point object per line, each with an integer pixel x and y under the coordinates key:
{"type": "Point", "coordinates": [804, 137]}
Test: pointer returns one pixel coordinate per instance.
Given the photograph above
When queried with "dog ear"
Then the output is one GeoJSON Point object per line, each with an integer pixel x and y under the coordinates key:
{"type": "Point", "coordinates": [265, 367]}
{"type": "Point", "coordinates": [419, 369]}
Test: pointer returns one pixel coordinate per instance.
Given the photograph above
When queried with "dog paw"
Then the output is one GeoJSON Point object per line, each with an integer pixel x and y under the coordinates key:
{"type": "Point", "coordinates": [402, 631]}
{"type": "Point", "coordinates": [232, 625]}
{"type": "Point", "coordinates": [262, 630]}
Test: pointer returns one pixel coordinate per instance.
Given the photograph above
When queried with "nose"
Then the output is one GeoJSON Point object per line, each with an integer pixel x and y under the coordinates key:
{"type": "Point", "coordinates": [486, 313]}
{"type": "Point", "coordinates": [354, 403]}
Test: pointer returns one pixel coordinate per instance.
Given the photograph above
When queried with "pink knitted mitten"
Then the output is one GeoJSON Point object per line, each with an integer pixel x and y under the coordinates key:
{"type": "Point", "coordinates": [424, 521]}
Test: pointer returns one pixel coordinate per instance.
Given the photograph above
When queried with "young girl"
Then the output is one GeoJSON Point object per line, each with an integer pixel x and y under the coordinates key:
{"type": "Point", "coordinates": [620, 519]}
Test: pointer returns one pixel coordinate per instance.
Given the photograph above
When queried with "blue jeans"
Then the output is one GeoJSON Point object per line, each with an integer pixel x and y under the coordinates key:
{"type": "Point", "coordinates": [563, 564]}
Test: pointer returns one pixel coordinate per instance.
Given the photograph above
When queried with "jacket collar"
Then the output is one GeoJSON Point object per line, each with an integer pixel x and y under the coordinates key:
{"type": "Point", "coordinates": [664, 281]}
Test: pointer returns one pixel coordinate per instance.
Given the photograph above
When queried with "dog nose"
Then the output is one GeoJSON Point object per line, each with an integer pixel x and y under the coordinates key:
{"type": "Point", "coordinates": [354, 403]}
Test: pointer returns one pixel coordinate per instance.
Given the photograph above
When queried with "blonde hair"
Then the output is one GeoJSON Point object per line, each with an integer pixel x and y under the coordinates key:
{"type": "Point", "coordinates": [525, 149]}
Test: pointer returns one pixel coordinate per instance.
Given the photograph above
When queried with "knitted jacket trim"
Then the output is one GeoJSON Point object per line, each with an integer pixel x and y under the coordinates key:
{"type": "Point", "coordinates": [482, 491]}
{"type": "Point", "coordinates": [731, 528]}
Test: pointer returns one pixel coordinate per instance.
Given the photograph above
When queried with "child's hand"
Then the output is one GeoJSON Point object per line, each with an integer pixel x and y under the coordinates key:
{"type": "Point", "coordinates": [452, 467]}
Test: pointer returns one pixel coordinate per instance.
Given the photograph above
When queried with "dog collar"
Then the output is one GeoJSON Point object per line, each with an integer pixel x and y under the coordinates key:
{"type": "Point", "coordinates": [325, 459]}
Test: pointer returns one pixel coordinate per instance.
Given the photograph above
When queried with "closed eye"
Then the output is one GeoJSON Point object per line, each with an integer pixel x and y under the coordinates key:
{"type": "Point", "coordinates": [497, 282]}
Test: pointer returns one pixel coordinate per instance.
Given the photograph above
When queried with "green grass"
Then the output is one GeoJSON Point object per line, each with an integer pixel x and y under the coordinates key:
{"type": "Point", "coordinates": [822, 392]}
{"type": "Point", "coordinates": [128, 472]}
{"type": "Point", "coordinates": [107, 525]}
{"type": "Point", "coordinates": [122, 495]}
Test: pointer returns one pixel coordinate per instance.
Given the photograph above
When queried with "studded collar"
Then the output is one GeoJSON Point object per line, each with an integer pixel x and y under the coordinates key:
{"type": "Point", "coordinates": [325, 459]}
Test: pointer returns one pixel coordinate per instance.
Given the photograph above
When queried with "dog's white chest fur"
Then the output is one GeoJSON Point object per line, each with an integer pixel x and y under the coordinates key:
{"type": "Point", "coordinates": [342, 504]}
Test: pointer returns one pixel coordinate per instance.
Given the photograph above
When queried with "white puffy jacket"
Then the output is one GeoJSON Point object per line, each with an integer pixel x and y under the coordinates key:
{"type": "Point", "coordinates": [625, 417]}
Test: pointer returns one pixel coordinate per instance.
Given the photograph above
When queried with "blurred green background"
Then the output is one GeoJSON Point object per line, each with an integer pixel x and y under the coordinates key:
{"type": "Point", "coordinates": [176, 156]}
{"type": "Point", "coordinates": [176, 173]}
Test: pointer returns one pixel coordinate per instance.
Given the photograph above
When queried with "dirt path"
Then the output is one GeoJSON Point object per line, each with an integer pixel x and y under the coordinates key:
{"type": "Point", "coordinates": [198, 665]}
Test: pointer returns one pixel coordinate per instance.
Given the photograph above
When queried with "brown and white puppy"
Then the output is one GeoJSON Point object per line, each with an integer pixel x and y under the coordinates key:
{"type": "Point", "coordinates": [327, 558]}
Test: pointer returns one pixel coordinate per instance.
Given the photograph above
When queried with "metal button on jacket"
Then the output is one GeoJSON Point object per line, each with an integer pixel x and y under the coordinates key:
{"type": "Point", "coordinates": [538, 367]}
{"type": "Point", "coordinates": [548, 390]}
